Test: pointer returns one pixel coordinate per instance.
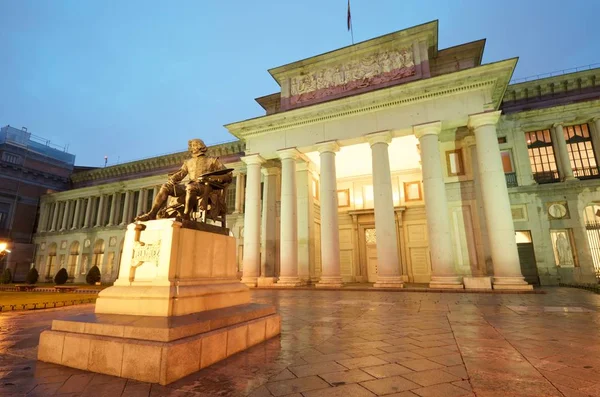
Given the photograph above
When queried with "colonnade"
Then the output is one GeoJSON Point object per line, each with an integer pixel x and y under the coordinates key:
{"type": "Point", "coordinates": [111, 209]}
{"type": "Point", "coordinates": [494, 197]}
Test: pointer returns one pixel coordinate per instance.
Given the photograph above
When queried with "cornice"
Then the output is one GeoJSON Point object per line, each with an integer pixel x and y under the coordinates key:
{"type": "Point", "coordinates": [154, 163]}
{"type": "Point", "coordinates": [493, 76]}
{"type": "Point", "coordinates": [573, 113]}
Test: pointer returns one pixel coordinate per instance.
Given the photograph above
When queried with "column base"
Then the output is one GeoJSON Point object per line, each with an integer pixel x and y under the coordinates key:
{"type": "Point", "coordinates": [511, 283]}
{"type": "Point", "coordinates": [447, 282]}
{"type": "Point", "coordinates": [389, 282]}
{"type": "Point", "coordinates": [249, 281]}
{"type": "Point", "coordinates": [289, 282]}
{"type": "Point", "coordinates": [266, 281]}
{"type": "Point", "coordinates": [329, 282]}
{"type": "Point", "coordinates": [478, 282]}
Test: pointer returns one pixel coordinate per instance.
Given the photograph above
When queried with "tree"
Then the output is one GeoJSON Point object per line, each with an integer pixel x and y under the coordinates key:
{"type": "Point", "coordinates": [93, 275]}
{"type": "Point", "coordinates": [32, 276]}
{"type": "Point", "coordinates": [61, 276]}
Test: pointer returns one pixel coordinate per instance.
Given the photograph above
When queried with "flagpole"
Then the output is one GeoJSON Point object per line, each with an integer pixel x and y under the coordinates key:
{"type": "Point", "coordinates": [349, 20]}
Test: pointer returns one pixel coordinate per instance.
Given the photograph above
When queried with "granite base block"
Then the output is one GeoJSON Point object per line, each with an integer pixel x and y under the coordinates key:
{"type": "Point", "coordinates": [153, 349]}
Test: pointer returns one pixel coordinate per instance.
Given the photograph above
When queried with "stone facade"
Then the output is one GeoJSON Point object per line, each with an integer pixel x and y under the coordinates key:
{"type": "Point", "coordinates": [446, 175]}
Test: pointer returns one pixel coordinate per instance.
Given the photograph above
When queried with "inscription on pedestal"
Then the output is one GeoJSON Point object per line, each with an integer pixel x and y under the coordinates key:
{"type": "Point", "coordinates": [146, 253]}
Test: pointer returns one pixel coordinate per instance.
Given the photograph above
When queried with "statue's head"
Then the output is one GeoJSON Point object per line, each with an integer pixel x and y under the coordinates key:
{"type": "Point", "coordinates": [196, 146]}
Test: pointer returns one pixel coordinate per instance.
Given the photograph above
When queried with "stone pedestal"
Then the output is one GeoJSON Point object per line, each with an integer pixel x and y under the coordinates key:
{"type": "Point", "coordinates": [477, 282]}
{"type": "Point", "coordinates": [176, 307]}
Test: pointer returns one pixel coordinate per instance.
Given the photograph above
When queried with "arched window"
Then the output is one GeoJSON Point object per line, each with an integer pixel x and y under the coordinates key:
{"type": "Point", "coordinates": [98, 257]}
{"type": "Point", "coordinates": [51, 261]}
{"type": "Point", "coordinates": [73, 258]}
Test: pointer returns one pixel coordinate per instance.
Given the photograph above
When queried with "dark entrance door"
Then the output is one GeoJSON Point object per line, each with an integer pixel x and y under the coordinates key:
{"type": "Point", "coordinates": [527, 257]}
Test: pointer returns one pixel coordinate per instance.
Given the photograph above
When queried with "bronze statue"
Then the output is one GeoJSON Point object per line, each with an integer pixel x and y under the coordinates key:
{"type": "Point", "coordinates": [204, 191]}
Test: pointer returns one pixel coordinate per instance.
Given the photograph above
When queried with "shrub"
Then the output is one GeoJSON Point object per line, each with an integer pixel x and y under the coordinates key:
{"type": "Point", "coordinates": [32, 276]}
{"type": "Point", "coordinates": [93, 275]}
{"type": "Point", "coordinates": [6, 276]}
{"type": "Point", "coordinates": [61, 276]}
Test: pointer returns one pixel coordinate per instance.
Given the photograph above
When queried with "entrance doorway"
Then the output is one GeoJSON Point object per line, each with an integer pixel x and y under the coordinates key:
{"type": "Point", "coordinates": [527, 256]}
{"type": "Point", "coordinates": [371, 251]}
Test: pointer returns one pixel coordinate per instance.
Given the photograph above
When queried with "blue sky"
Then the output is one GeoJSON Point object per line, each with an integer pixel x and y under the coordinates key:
{"type": "Point", "coordinates": [133, 79]}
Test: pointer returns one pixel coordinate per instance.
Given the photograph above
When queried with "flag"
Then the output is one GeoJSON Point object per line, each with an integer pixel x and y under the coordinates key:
{"type": "Point", "coordinates": [349, 17]}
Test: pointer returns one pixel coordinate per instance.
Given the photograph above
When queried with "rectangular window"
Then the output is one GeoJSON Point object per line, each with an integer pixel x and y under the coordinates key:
{"type": "Point", "coordinates": [581, 151]}
{"type": "Point", "coordinates": [454, 162]}
{"type": "Point", "coordinates": [541, 156]}
{"type": "Point", "coordinates": [563, 247]}
{"type": "Point", "coordinates": [509, 170]}
{"type": "Point", "coordinates": [412, 191]}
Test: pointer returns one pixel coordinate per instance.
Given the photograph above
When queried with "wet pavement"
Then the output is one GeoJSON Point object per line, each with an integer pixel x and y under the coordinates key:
{"type": "Point", "coordinates": [363, 343]}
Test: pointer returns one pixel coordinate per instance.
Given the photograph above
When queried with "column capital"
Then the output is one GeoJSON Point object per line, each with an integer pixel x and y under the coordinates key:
{"type": "Point", "coordinates": [289, 153]}
{"type": "Point", "coordinates": [469, 141]}
{"type": "Point", "coordinates": [485, 118]}
{"type": "Point", "coordinates": [238, 172]}
{"type": "Point", "coordinates": [379, 137]}
{"type": "Point", "coordinates": [557, 125]}
{"type": "Point", "coordinates": [269, 171]}
{"type": "Point", "coordinates": [595, 119]}
{"type": "Point", "coordinates": [328, 146]}
{"type": "Point", "coordinates": [421, 130]}
{"type": "Point", "coordinates": [253, 159]}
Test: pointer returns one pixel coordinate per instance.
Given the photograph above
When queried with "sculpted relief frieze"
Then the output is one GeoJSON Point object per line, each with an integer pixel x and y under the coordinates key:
{"type": "Point", "coordinates": [368, 70]}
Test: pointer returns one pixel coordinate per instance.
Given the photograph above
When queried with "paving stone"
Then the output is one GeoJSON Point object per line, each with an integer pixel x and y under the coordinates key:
{"type": "Point", "coordinates": [421, 365]}
{"type": "Point", "coordinates": [442, 390]}
{"type": "Point", "coordinates": [349, 376]}
{"type": "Point", "coordinates": [76, 383]}
{"type": "Point", "coordinates": [431, 377]}
{"type": "Point", "coordinates": [360, 362]}
{"type": "Point", "coordinates": [353, 390]}
{"type": "Point", "coordinates": [316, 369]}
{"type": "Point", "coordinates": [387, 370]}
{"type": "Point", "coordinates": [325, 357]}
{"type": "Point", "coordinates": [389, 385]}
{"type": "Point", "coordinates": [298, 385]}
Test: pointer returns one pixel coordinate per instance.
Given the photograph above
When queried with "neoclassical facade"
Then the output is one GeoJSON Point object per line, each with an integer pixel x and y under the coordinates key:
{"type": "Point", "coordinates": [387, 162]}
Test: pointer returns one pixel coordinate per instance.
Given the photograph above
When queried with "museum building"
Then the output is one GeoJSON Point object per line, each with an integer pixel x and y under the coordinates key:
{"type": "Point", "coordinates": [387, 162]}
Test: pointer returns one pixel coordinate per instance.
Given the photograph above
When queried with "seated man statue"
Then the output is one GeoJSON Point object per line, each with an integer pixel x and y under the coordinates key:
{"type": "Point", "coordinates": [195, 168]}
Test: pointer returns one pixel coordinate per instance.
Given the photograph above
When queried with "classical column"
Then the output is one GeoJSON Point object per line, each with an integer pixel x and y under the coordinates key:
{"type": "Point", "coordinates": [55, 217]}
{"type": "Point", "coordinates": [113, 210]}
{"type": "Point", "coordinates": [288, 241]}
{"type": "Point", "coordinates": [88, 213]}
{"type": "Point", "coordinates": [76, 215]}
{"type": "Point", "coordinates": [595, 135]}
{"type": "Point", "coordinates": [125, 216]}
{"type": "Point", "coordinates": [251, 260]}
{"type": "Point", "coordinates": [100, 214]}
{"type": "Point", "coordinates": [239, 193]}
{"type": "Point", "coordinates": [496, 204]}
{"type": "Point", "coordinates": [65, 217]}
{"type": "Point", "coordinates": [565, 171]}
{"type": "Point", "coordinates": [144, 199]}
{"type": "Point", "coordinates": [388, 264]}
{"type": "Point", "coordinates": [436, 208]}
{"type": "Point", "coordinates": [138, 206]}
{"type": "Point", "coordinates": [330, 238]}
{"type": "Point", "coordinates": [268, 237]}
{"type": "Point", "coordinates": [306, 221]}
{"type": "Point", "coordinates": [41, 227]}
{"type": "Point", "coordinates": [469, 142]}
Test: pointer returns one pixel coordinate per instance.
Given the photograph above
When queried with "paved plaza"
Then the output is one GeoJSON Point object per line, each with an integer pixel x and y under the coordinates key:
{"type": "Point", "coordinates": [363, 343]}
